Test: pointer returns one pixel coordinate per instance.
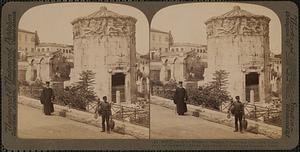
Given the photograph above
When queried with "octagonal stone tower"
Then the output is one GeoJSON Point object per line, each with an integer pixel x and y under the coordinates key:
{"type": "Point", "coordinates": [104, 42]}
{"type": "Point", "coordinates": [238, 42]}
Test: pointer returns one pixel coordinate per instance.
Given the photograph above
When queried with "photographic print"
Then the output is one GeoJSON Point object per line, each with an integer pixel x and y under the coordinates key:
{"type": "Point", "coordinates": [215, 71]}
{"type": "Point", "coordinates": [83, 72]}
{"type": "Point", "coordinates": [149, 75]}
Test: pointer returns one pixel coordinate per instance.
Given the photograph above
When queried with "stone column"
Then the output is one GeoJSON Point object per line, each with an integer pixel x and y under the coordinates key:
{"type": "Point", "coordinates": [127, 88]}
{"type": "Point", "coordinates": [251, 96]}
{"type": "Point", "coordinates": [162, 73]}
{"type": "Point", "coordinates": [109, 95]}
{"type": "Point", "coordinates": [118, 97]}
{"type": "Point", "coordinates": [261, 87]}
{"type": "Point", "coordinates": [172, 70]}
{"type": "Point", "coordinates": [28, 74]}
{"type": "Point", "coordinates": [38, 72]}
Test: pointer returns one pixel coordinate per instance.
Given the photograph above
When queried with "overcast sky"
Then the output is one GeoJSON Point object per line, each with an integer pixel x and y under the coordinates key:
{"type": "Point", "coordinates": [186, 21]}
{"type": "Point", "coordinates": [53, 21]}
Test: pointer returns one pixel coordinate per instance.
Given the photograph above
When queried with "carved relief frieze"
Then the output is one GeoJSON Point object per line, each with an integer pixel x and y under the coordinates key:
{"type": "Point", "coordinates": [237, 26]}
{"type": "Point", "coordinates": [103, 27]}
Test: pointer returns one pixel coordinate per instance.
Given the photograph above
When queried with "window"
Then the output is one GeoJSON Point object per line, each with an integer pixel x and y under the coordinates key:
{"type": "Point", "coordinates": [43, 49]}
{"type": "Point", "coordinates": [166, 49]}
{"type": "Point", "coordinates": [181, 49]}
{"type": "Point", "coordinates": [159, 38]}
{"type": "Point", "coordinates": [47, 49]}
{"type": "Point", "coordinates": [32, 49]}
{"type": "Point", "coordinates": [38, 49]}
{"type": "Point", "coordinates": [25, 38]}
{"type": "Point", "coordinates": [177, 49]}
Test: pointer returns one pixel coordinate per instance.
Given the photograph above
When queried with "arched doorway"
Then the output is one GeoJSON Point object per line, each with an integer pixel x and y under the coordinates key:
{"type": "Point", "coordinates": [118, 84]}
{"type": "Point", "coordinates": [252, 83]}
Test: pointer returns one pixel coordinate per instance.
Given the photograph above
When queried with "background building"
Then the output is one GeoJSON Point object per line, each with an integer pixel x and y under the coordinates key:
{"type": "Point", "coordinates": [143, 65]}
{"type": "Point", "coordinates": [184, 62]}
{"type": "Point", "coordinates": [49, 48]}
{"type": "Point", "coordinates": [51, 66]}
{"type": "Point", "coordinates": [27, 42]}
{"type": "Point", "coordinates": [238, 42]}
{"type": "Point", "coordinates": [104, 42]}
{"type": "Point", "coordinates": [160, 42]}
{"type": "Point", "coordinates": [276, 74]}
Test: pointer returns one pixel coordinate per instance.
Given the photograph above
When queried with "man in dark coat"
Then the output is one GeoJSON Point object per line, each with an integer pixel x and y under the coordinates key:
{"type": "Point", "coordinates": [180, 97]}
{"type": "Point", "coordinates": [104, 109]}
{"type": "Point", "coordinates": [46, 99]}
{"type": "Point", "coordinates": [238, 112]}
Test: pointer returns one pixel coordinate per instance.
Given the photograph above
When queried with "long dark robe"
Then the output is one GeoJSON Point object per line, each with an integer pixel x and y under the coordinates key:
{"type": "Point", "coordinates": [180, 97]}
{"type": "Point", "coordinates": [46, 99]}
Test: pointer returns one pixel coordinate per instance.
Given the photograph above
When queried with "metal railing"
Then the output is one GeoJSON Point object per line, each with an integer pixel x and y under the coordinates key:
{"type": "Point", "coordinates": [126, 113]}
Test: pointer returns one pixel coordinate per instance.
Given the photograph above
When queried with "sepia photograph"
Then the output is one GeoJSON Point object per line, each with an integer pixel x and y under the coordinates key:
{"type": "Point", "coordinates": [215, 72]}
{"type": "Point", "coordinates": [145, 75]}
{"type": "Point", "coordinates": [83, 72]}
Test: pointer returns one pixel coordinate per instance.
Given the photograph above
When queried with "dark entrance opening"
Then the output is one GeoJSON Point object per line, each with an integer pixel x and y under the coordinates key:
{"type": "Point", "coordinates": [252, 83]}
{"type": "Point", "coordinates": [118, 84]}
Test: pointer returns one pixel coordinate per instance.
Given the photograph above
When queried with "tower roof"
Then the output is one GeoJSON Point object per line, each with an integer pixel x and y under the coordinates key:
{"type": "Point", "coordinates": [236, 12]}
{"type": "Point", "coordinates": [103, 12]}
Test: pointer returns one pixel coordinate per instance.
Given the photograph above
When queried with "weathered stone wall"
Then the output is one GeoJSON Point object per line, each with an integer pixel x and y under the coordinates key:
{"type": "Point", "coordinates": [105, 44]}
{"type": "Point", "coordinates": [238, 42]}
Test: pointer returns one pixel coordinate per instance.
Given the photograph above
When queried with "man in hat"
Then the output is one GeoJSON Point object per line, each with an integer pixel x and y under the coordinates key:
{"type": "Point", "coordinates": [238, 112]}
{"type": "Point", "coordinates": [46, 99]}
{"type": "Point", "coordinates": [179, 98]}
{"type": "Point", "coordinates": [105, 111]}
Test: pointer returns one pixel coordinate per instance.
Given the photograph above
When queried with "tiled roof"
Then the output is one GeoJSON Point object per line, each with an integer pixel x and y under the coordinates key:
{"type": "Point", "coordinates": [103, 13]}
{"type": "Point", "coordinates": [236, 12]}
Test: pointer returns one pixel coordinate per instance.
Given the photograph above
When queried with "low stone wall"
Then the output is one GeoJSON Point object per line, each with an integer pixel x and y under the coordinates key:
{"type": "Point", "coordinates": [88, 118]}
{"type": "Point", "coordinates": [221, 118]}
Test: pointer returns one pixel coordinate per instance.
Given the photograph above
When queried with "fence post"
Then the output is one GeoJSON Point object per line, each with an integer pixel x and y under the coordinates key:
{"type": "Point", "coordinates": [255, 112]}
{"type": "Point", "coordinates": [134, 113]}
{"type": "Point", "coordinates": [122, 113]}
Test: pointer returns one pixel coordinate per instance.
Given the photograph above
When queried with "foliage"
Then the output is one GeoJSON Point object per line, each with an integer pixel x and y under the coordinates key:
{"type": "Point", "coordinates": [80, 94]}
{"type": "Point", "coordinates": [212, 95]}
{"type": "Point", "coordinates": [156, 83]}
{"type": "Point", "coordinates": [37, 84]}
{"type": "Point", "coordinates": [23, 83]}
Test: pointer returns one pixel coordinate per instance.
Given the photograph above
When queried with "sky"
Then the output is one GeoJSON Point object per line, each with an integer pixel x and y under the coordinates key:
{"type": "Point", "coordinates": [186, 21]}
{"type": "Point", "coordinates": [53, 21]}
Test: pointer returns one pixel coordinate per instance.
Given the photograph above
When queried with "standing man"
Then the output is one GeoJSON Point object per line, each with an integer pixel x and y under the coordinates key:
{"type": "Point", "coordinates": [46, 99]}
{"type": "Point", "coordinates": [105, 111]}
{"type": "Point", "coordinates": [238, 111]}
{"type": "Point", "coordinates": [180, 97]}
